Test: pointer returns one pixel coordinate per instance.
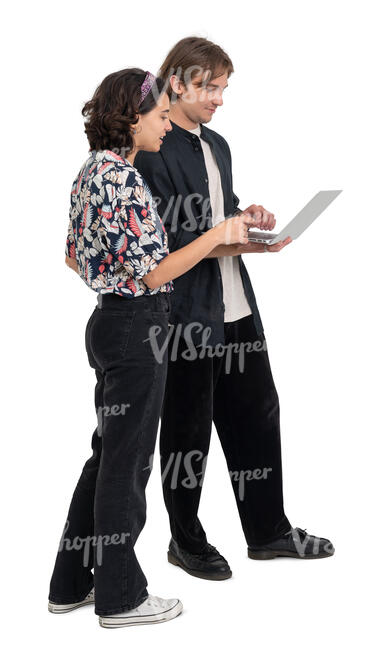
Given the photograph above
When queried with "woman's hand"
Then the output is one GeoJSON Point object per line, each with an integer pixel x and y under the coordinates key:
{"type": "Point", "coordinates": [235, 229]}
{"type": "Point", "coordinates": [72, 264]}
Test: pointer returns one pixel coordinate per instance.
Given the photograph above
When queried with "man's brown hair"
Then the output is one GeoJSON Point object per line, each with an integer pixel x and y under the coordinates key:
{"type": "Point", "coordinates": [191, 57]}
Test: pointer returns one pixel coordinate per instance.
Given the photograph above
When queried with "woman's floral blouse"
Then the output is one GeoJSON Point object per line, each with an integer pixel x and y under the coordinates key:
{"type": "Point", "coordinates": [115, 232]}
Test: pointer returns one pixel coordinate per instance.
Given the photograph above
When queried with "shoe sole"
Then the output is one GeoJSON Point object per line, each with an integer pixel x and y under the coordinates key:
{"type": "Point", "coordinates": [55, 608]}
{"type": "Point", "coordinates": [198, 574]}
{"type": "Point", "coordinates": [117, 621]}
{"type": "Point", "coordinates": [270, 555]}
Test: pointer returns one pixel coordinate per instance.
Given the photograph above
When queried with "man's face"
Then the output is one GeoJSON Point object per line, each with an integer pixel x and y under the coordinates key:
{"type": "Point", "coordinates": [200, 99]}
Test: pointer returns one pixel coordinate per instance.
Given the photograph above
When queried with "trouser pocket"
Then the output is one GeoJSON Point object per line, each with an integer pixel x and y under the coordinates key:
{"type": "Point", "coordinates": [109, 334]}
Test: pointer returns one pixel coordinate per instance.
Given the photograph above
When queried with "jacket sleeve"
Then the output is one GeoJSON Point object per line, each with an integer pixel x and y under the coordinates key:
{"type": "Point", "coordinates": [236, 209]}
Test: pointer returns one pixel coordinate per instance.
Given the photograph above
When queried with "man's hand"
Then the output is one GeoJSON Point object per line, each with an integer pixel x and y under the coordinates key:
{"type": "Point", "coordinates": [255, 247]}
{"type": "Point", "coordinates": [264, 220]}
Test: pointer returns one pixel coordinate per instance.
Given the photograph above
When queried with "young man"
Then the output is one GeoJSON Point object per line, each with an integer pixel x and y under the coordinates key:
{"type": "Point", "coordinates": [218, 368]}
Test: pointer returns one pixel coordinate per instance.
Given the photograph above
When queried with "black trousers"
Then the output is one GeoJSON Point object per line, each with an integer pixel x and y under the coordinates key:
{"type": "Point", "coordinates": [236, 390]}
{"type": "Point", "coordinates": [108, 508]}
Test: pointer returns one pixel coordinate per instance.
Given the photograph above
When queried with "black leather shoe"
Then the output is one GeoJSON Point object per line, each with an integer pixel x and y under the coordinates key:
{"type": "Point", "coordinates": [296, 543]}
{"type": "Point", "coordinates": [209, 564]}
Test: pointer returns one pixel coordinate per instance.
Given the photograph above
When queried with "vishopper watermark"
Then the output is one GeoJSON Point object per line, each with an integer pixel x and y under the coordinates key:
{"type": "Point", "coordinates": [196, 74]}
{"type": "Point", "coordinates": [179, 467]}
{"type": "Point", "coordinates": [244, 475]}
{"type": "Point", "coordinates": [113, 410]}
{"type": "Point", "coordinates": [227, 351]}
{"type": "Point", "coordinates": [195, 206]}
{"type": "Point", "coordinates": [301, 544]}
{"type": "Point", "coordinates": [78, 543]}
{"type": "Point", "coordinates": [177, 462]}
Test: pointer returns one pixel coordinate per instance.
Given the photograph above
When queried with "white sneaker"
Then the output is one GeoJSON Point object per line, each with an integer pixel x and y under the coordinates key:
{"type": "Point", "coordinates": [152, 610]}
{"type": "Point", "coordinates": [54, 608]}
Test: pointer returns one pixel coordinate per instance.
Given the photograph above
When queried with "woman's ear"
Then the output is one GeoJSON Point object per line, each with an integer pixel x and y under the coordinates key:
{"type": "Point", "coordinates": [137, 127]}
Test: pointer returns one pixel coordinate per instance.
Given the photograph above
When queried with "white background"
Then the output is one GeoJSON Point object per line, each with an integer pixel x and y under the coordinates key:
{"type": "Point", "coordinates": [300, 115]}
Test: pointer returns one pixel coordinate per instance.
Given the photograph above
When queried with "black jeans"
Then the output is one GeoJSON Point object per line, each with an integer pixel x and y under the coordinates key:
{"type": "Point", "coordinates": [236, 390]}
{"type": "Point", "coordinates": [123, 338]}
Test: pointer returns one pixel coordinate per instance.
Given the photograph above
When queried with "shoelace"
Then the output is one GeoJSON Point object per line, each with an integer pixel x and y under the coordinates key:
{"type": "Point", "coordinates": [154, 602]}
{"type": "Point", "coordinates": [301, 531]}
{"type": "Point", "coordinates": [207, 551]}
{"type": "Point", "coordinates": [213, 549]}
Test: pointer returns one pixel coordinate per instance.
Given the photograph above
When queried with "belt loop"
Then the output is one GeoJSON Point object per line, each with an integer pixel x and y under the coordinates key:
{"type": "Point", "coordinates": [100, 300]}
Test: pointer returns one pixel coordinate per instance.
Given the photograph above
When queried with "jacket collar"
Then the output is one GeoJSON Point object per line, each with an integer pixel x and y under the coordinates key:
{"type": "Point", "coordinates": [190, 136]}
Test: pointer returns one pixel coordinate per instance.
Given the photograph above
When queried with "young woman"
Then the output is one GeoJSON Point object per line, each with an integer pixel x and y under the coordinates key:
{"type": "Point", "coordinates": [118, 245]}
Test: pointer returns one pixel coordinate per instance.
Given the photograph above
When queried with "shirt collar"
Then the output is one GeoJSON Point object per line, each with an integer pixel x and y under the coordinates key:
{"type": "Point", "coordinates": [187, 134]}
{"type": "Point", "coordinates": [108, 155]}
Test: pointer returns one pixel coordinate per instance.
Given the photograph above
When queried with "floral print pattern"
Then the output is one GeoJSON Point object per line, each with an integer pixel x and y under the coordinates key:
{"type": "Point", "coordinates": [115, 232]}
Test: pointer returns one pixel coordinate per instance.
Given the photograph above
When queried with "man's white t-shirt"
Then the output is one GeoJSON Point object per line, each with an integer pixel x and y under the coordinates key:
{"type": "Point", "coordinates": [236, 305]}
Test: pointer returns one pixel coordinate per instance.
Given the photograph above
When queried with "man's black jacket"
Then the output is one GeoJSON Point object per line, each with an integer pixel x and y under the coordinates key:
{"type": "Point", "coordinates": [177, 177]}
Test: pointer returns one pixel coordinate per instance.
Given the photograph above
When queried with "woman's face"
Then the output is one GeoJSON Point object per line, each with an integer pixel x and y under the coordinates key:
{"type": "Point", "coordinates": [152, 126]}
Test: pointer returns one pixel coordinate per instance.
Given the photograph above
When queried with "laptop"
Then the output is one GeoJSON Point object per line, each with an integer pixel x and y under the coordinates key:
{"type": "Point", "coordinates": [303, 219]}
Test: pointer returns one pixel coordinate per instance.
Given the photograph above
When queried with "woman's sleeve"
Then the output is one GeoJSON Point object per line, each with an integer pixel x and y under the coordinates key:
{"type": "Point", "coordinates": [136, 239]}
{"type": "Point", "coordinates": [70, 241]}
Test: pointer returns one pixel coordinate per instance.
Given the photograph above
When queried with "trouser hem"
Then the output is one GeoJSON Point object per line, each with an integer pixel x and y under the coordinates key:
{"type": "Point", "coordinates": [123, 608]}
{"type": "Point", "coordinates": [191, 550]}
{"type": "Point", "coordinates": [69, 601]}
{"type": "Point", "coordinates": [285, 527]}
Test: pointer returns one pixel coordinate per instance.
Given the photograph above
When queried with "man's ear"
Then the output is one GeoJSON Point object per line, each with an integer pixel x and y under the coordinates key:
{"type": "Point", "coordinates": [176, 85]}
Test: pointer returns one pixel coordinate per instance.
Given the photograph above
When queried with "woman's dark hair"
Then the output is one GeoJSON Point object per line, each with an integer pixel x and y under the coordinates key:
{"type": "Point", "coordinates": [114, 108]}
